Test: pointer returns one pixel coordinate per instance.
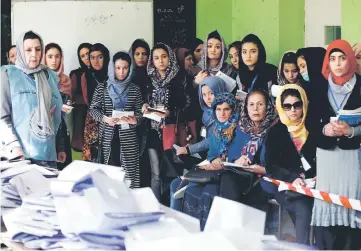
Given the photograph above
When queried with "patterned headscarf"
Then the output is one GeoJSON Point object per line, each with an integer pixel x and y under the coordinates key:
{"type": "Point", "coordinates": [357, 50]}
{"type": "Point", "coordinates": [204, 59]}
{"type": "Point", "coordinates": [248, 126]}
{"type": "Point", "coordinates": [160, 83]}
{"type": "Point", "coordinates": [225, 131]}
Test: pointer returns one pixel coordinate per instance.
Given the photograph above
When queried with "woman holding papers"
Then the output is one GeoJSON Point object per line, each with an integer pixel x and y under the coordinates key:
{"type": "Point", "coordinates": [338, 152]}
{"type": "Point", "coordinates": [214, 58]}
{"type": "Point", "coordinates": [254, 72]}
{"type": "Point", "coordinates": [170, 98]}
{"type": "Point", "coordinates": [290, 156]}
{"type": "Point", "coordinates": [198, 197]}
{"type": "Point", "coordinates": [248, 150]}
{"type": "Point", "coordinates": [31, 106]}
{"type": "Point", "coordinates": [208, 90]}
{"type": "Point", "coordinates": [116, 106]}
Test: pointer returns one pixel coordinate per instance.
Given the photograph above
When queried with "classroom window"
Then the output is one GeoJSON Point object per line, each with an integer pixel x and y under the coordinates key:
{"type": "Point", "coordinates": [332, 33]}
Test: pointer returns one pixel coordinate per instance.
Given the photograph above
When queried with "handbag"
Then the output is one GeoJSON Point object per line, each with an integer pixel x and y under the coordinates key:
{"type": "Point", "coordinates": [95, 148]}
{"type": "Point", "coordinates": [178, 133]}
{"type": "Point", "coordinates": [249, 177]}
{"type": "Point", "coordinates": [204, 176]}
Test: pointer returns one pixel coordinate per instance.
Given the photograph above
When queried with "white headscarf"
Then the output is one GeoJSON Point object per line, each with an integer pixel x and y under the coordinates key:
{"type": "Point", "coordinates": [41, 120]}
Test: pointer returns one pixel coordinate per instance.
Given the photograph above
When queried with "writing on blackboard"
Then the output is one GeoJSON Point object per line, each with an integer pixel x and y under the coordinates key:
{"type": "Point", "coordinates": [97, 19]}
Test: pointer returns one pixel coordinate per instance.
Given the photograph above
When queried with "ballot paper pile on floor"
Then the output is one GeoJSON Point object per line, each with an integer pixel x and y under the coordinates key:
{"type": "Point", "coordinates": [90, 206]}
{"type": "Point", "coordinates": [19, 179]}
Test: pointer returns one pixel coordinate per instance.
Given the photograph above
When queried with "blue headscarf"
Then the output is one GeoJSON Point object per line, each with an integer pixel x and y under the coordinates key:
{"type": "Point", "coordinates": [217, 85]}
{"type": "Point", "coordinates": [118, 90]}
{"type": "Point", "coordinates": [224, 131]}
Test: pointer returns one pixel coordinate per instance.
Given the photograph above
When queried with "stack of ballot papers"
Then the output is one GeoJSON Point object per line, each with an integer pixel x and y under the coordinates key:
{"type": "Point", "coordinates": [88, 206]}
{"type": "Point", "coordinates": [19, 179]}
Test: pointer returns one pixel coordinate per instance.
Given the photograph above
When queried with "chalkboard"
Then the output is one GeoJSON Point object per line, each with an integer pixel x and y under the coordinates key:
{"type": "Point", "coordinates": [174, 22]}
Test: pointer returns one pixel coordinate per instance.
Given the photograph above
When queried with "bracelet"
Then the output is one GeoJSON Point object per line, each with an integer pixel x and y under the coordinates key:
{"type": "Point", "coordinates": [352, 134]}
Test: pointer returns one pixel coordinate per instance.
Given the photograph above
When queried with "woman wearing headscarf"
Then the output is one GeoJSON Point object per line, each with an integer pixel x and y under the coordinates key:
{"type": "Point", "coordinates": [98, 73]}
{"type": "Point", "coordinates": [287, 73]}
{"type": "Point", "coordinates": [54, 59]}
{"type": "Point", "coordinates": [31, 106]}
{"type": "Point", "coordinates": [169, 94]}
{"type": "Point", "coordinates": [185, 61]}
{"type": "Point", "coordinates": [290, 156]}
{"type": "Point", "coordinates": [11, 55]}
{"type": "Point", "coordinates": [214, 58]}
{"type": "Point", "coordinates": [357, 50]}
{"type": "Point", "coordinates": [310, 61]}
{"type": "Point", "coordinates": [196, 47]}
{"type": "Point", "coordinates": [198, 197]}
{"type": "Point", "coordinates": [140, 52]}
{"type": "Point", "coordinates": [208, 90]}
{"type": "Point", "coordinates": [79, 90]}
{"type": "Point", "coordinates": [233, 54]}
{"type": "Point", "coordinates": [254, 72]}
{"type": "Point", "coordinates": [338, 152]}
{"type": "Point", "coordinates": [248, 149]}
{"type": "Point", "coordinates": [119, 142]}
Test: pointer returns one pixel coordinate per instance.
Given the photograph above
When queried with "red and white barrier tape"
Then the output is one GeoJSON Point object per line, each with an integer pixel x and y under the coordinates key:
{"type": "Point", "coordinates": [328, 197]}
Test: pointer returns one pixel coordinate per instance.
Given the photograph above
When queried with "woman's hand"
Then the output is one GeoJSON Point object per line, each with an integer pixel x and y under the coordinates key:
{"type": "Point", "coordinates": [331, 131]}
{"type": "Point", "coordinates": [110, 121]}
{"type": "Point", "coordinates": [132, 120]}
{"type": "Point", "coordinates": [182, 150]}
{"type": "Point", "coordinates": [342, 127]}
{"type": "Point", "coordinates": [200, 76]}
{"type": "Point", "coordinates": [61, 157]}
{"type": "Point", "coordinates": [145, 108]}
{"type": "Point", "coordinates": [257, 169]}
{"type": "Point", "coordinates": [299, 182]}
{"type": "Point", "coordinates": [217, 164]}
{"type": "Point", "coordinates": [243, 161]}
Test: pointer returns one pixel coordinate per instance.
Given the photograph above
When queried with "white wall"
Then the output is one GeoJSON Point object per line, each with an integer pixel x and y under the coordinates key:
{"type": "Point", "coordinates": [116, 24]}
{"type": "Point", "coordinates": [318, 14]}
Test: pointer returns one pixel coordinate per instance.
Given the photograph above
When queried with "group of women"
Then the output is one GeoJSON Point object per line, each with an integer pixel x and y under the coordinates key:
{"type": "Point", "coordinates": [172, 96]}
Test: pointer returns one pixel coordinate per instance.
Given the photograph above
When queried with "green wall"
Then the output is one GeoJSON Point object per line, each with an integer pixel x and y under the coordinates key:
{"type": "Point", "coordinates": [292, 25]}
{"type": "Point", "coordinates": [278, 23]}
{"type": "Point", "coordinates": [351, 21]}
{"type": "Point", "coordinates": [214, 15]}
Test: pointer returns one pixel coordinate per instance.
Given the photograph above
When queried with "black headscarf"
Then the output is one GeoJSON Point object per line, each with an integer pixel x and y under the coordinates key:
{"type": "Point", "coordinates": [195, 43]}
{"type": "Point", "coordinates": [141, 78]}
{"type": "Point", "coordinates": [139, 43]}
{"type": "Point", "coordinates": [81, 46]}
{"type": "Point", "coordinates": [101, 75]}
{"type": "Point", "coordinates": [314, 57]}
{"type": "Point", "coordinates": [93, 77]}
{"type": "Point", "coordinates": [265, 72]}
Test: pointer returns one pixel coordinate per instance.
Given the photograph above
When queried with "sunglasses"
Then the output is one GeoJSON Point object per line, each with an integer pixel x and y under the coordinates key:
{"type": "Point", "coordinates": [296, 105]}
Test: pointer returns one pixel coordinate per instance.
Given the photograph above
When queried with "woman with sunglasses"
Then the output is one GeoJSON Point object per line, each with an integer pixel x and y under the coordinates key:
{"type": "Point", "coordinates": [291, 152]}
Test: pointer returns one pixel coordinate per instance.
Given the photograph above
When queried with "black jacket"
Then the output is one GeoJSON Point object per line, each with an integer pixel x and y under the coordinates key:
{"type": "Point", "coordinates": [353, 102]}
{"type": "Point", "coordinates": [283, 161]}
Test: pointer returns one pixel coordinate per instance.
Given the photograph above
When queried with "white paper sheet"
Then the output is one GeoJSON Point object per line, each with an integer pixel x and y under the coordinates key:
{"type": "Point", "coordinates": [238, 216]}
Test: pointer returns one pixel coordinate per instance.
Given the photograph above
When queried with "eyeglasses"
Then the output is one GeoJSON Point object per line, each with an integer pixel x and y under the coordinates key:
{"type": "Point", "coordinates": [296, 105]}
